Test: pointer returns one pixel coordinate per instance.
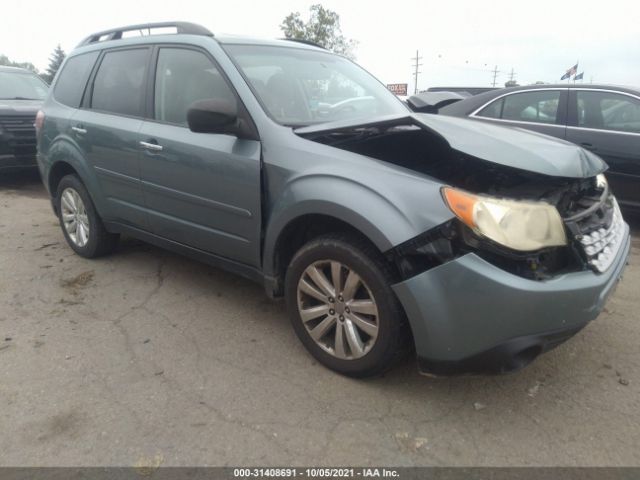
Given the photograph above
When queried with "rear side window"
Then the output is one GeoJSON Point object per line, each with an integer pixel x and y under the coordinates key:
{"type": "Point", "coordinates": [119, 84]}
{"type": "Point", "coordinates": [608, 111]}
{"type": "Point", "coordinates": [73, 78]}
{"type": "Point", "coordinates": [538, 106]}
{"type": "Point", "coordinates": [493, 110]}
{"type": "Point", "coordinates": [182, 77]}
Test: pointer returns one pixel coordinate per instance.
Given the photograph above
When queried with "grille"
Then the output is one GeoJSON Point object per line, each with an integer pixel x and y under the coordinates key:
{"type": "Point", "coordinates": [18, 134]}
{"type": "Point", "coordinates": [600, 242]}
{"type": "Point", "coordinates": [21, 125]}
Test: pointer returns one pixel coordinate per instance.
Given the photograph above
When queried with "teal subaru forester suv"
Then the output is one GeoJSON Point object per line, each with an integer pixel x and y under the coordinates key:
{"type": "Point", "coordinates": [386, 230]}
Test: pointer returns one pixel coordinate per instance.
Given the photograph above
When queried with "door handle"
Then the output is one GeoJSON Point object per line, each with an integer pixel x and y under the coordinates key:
{"type": "Point", "coordinates": [154, 147]}
{"type": "Point", "coordinates": [588, 146]}
{"type": "Point", "coordinates": [79, 130]}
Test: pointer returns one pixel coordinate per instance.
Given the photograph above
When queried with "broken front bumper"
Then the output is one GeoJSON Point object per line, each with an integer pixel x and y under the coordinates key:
{"type": "Point", "coordinates": [469, 316]}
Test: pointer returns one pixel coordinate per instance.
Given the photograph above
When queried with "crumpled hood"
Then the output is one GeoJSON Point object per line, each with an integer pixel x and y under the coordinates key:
{"type": "Point", "coordinates": [19, 107]}
{"type": "Point", "coordinates": [512, 147]}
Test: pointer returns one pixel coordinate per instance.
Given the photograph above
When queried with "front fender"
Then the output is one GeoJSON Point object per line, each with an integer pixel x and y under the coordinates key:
{"type": "Point", "coordinates": [384, 220]}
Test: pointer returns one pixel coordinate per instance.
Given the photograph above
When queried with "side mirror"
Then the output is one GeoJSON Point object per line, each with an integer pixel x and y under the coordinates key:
{"type": "Point", "coordinates": [213, 116]}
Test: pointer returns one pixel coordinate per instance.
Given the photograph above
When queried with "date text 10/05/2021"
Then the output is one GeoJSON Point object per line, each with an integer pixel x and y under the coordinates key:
{"type": "Point", "coordinates": [315, 473]}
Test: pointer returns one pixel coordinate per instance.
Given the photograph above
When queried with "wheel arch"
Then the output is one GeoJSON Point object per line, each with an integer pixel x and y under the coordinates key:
{"type": "Point", "coordinates": [59, 170]}
{"type": "Point", "coordinates": [305, 212]}
{"type": "Point", "coordinates": [65, 159]}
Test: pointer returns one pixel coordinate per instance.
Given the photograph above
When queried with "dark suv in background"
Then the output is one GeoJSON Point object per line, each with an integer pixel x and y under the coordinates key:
{"type": "Point", "coordinates": [483, 246]}
{"type": "Point", "coordinates": [21, 95]}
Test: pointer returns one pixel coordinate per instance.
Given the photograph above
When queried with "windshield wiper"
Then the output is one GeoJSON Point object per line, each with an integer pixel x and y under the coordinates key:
{"type": "Point", "coordinates": [345, 135]}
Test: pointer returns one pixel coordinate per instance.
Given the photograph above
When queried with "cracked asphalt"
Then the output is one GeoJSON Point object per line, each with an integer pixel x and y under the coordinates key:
{"type": "Point", "coordinates": [146, 357]}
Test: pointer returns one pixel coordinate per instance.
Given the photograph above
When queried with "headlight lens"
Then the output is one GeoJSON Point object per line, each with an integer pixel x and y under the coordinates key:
{"type": "Point", "coordinates": [519, 225]}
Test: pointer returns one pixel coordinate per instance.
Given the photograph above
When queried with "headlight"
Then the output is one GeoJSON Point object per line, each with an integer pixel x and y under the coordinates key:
{"type": "Point", "coordinates": [519, 225]}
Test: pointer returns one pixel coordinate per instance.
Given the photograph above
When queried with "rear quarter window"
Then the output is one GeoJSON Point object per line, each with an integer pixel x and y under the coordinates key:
{"type": "Point", "coordinates": [73, 79]}
{"type": "Point", "coordinates": [493, 110]}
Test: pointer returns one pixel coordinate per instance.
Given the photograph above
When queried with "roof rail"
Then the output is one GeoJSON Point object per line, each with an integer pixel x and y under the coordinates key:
{"type": "Point", "coordinates": [116, 33]}
{"type": "Point", "coordinates": [306, 42]}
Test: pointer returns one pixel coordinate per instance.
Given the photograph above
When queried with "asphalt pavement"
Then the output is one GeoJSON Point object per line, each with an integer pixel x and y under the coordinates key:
{"type": "Point", "coordinates": [146, 357]}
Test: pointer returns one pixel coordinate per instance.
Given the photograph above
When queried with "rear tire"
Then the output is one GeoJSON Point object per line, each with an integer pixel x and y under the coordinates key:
{"type": "Point", "coordinates": [358, 329]}
{"type": "Point", "coordinates": [81, 225]}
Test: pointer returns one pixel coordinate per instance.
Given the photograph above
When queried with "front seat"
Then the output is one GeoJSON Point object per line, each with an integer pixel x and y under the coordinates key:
{"type": "Point", "coordinates": [284, 99]}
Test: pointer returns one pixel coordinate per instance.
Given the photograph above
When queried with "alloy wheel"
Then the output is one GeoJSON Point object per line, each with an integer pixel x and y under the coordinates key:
{"type": "Point", "coordinates": [338, 309]}
{"type": "Point", "coordinates": [74, 217]}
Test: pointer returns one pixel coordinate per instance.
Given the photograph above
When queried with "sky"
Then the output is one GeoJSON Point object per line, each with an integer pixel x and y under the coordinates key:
{"type": "Point", "coordinates": [460, 41]}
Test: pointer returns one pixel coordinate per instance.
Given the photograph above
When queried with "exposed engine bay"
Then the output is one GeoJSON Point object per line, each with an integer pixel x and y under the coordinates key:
{"type": "Point", "coordinates": [421, 150]}
{"type": "Point", "coordinates": [425, 152]}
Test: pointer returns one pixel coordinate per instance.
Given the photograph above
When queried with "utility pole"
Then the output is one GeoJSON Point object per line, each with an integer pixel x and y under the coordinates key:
{"type": "Point", "coordinates": [416, 59]}
{"type": "Point", "coordinates": [495, 72]}
{"type": "Point", "coordinates": [512, 75]}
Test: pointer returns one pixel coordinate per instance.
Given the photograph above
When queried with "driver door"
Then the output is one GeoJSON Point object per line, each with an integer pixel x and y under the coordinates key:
{"type": "Point", "coordinates": [201, 189]}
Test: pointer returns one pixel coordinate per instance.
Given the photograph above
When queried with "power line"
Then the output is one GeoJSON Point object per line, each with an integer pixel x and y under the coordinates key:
{"type": "Point", "coordinates": [495, 72]}
{"type": "Point", "coordinates": [416, 59]}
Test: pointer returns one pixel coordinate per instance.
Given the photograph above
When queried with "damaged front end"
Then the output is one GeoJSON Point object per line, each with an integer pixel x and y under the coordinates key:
{"type": "Point", "coordinates": [559, 175]}
{"type": "Point", "coordinates": [535, 245]}
{"type": "Point", "coordinates": [592, 233]}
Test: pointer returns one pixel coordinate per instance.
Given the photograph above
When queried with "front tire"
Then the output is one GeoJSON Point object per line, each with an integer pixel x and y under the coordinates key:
{"type": "Point", "coordinates": [81, 225]}
{"type": "Point", "coordinates": [342, 308]}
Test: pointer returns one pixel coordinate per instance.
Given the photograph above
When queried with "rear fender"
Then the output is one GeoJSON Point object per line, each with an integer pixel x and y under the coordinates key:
{"type": "Point", "coordinates": [64, 149]}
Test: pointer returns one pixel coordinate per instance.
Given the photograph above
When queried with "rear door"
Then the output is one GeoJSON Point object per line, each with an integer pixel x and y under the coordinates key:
{"type": "Point", "coordinates": [541, 110]}
{"type": "Point", "coordinates": [608, 123]}
{"type": "Point", "coordinates": [202, 189]}
{"type": "Point", "coordinates": [107, 129]}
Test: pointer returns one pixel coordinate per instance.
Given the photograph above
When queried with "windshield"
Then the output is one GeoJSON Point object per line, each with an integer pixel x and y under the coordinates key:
{"type": "Point", "coordinates": [22, 86]}
{"type": "Point", "coordinates": [301, 87]}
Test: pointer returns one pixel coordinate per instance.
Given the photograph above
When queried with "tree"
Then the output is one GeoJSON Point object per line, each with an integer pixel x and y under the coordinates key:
{"type": "Point", "coordinates": [322, 28]}
{"type": "Point", "coordinates": [55, 60]}
{"type": "Point", "coordinates": [4, 61]}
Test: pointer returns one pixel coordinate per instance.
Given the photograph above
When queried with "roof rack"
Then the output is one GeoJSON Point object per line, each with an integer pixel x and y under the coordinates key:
{"type": "Point", "coordinates": [116, 33]}
{"type": "Point", "coordinates": [306, 42]}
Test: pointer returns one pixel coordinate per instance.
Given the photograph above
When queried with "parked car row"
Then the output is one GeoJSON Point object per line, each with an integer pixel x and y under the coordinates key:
{"type": "Point", "coordinates": [385, 230]}
{"type": "Point", "coordinates": [604, 119]}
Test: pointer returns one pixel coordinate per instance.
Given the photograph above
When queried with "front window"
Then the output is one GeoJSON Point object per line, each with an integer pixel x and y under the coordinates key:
{"type": "Point", "coordinates": [22, 86]}
{"type": "Point", "coordinates": [182, 78]}
{"type": "Point", "coordinates": [301, 87]}
{"type": "Point", "coordinates": [608, 111]}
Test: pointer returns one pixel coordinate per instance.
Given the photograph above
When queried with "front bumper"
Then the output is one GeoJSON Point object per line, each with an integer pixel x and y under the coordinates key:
{"type": "Point", "coordinates": [469, 316]}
